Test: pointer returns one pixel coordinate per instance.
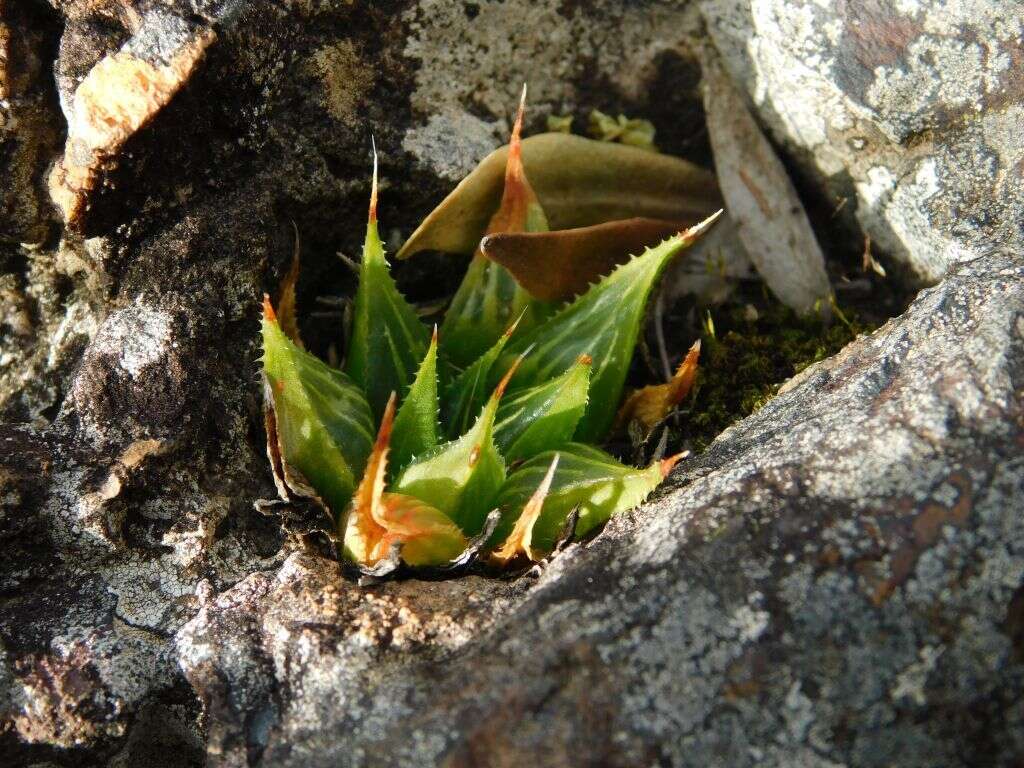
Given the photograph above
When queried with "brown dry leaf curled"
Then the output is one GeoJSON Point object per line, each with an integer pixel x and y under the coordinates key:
{"type": "Point", "coordinates": [579, 182]}
{"type": "Point", "coordinates": [555, 266]}
{"type": "Point", "coordinates": [286, 305]}
{"type": "Point", "coordinates": [773, 225]}
{"type": "Point", "coordinates": [650, 405]}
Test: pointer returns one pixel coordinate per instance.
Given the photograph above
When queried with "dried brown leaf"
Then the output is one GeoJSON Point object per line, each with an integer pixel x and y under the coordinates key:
{"type": "Point", "coordinates": [555, 266]}
{"type": "Point", "coordinates": [773, 225]}
{"type": "Point", "coordinates": [579, 182]}
{"type": "Point", "coordinates": [650, 405]}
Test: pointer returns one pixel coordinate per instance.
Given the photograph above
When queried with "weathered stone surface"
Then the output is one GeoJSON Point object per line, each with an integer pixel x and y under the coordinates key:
{"type": "Point", "coordinates": [909, 112]}
{"type": "Point", "coordinates": [196, 134]}
{"type": "Point", "coordinates": [29, 128]}
{"type": "Point", "coordinates": [817, 581]}
{"type": "Point", "coordinates": [837, 581]}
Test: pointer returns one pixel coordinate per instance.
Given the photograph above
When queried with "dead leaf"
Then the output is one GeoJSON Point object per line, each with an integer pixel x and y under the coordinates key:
{"type": "Point", "coordinates": [555, 266]}
{"type": "Point", "coordinates": [773, 225]}
{"type": "Point", "coordinates": [650, 405]}
{"type": "Point", "coordinates": [579, 182]}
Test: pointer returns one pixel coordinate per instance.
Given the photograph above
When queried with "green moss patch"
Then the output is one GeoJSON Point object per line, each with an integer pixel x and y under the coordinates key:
{"type": "Point", "coordinates": [749, 349]}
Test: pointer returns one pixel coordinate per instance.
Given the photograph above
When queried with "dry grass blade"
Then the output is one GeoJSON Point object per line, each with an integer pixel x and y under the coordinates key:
{"type": "Point", "coordinates": [773, 225]}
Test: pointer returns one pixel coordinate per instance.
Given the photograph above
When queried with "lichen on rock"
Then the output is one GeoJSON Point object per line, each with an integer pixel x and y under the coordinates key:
{"type": "Point", "coordinates": [835, 580]}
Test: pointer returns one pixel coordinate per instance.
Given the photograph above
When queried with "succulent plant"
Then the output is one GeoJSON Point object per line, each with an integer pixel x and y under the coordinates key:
{"type": "Point", "coordinates": [502, 409]}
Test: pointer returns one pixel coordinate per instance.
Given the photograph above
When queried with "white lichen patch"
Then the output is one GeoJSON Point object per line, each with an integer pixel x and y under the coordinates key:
{"type": "Point", "coordinates": [911, 681]}
{"type": "Point", "coordinates": [135, 338]}
{"type": "Point", "coordinates": [935, 70]}
{"type": "Point", "coordinates": [750, 622]}
{"type": "Point", "coordinates": [453, 143]}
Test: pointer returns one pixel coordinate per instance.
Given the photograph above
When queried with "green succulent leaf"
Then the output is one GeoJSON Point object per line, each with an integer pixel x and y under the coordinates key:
{"type": "Point", "coordinates": [604, 323]}
{"type": "Point", "coordinates": [377, 521]}
{"type": "Point", "coordinates": [416, 429]}
{"type": "Point", "coordinates": [489, 298]}
{"type": "Point", "coordinates": [543, 417]}
{"type": "Point", "coordinates": [388, 340]}
{"type": "Point", "coordinates": [318, 420]}
{"type": "Point", "coordinates": [587, 479]}
{"type": "Point", "coordinates": [466, 395]}
{"type": "Point", "coordinates": [461, 477]}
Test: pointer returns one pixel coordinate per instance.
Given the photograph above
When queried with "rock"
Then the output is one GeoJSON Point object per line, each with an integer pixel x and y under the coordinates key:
{"type": "Point", "coordinates": [907, 114]}
{"type": "Point", "coordinates": [837, 581]}
{"type": "Point", "coordinates": [29, 124]}
{"type": "Point", "coordinates": [119, 95]}
{"type": "Point", "coordinates": [817, 585]}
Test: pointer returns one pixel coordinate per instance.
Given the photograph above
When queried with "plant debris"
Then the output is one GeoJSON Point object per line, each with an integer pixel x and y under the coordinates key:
{"type": "Point", "coordinates": [771, 220]}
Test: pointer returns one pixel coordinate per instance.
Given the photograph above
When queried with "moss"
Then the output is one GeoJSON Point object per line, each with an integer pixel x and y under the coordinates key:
{"type": "Point", "coordinates": [748, 351]}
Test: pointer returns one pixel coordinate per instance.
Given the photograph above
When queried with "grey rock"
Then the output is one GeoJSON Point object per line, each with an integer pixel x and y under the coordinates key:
{"type": "Point", "coordinates": [837, 581]}
{"type": "Point", "coordinates": [910, 112]}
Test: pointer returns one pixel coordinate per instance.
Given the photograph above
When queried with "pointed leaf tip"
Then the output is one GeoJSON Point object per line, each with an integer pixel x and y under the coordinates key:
{"type": "Point", "coordinates": [700, 228]}
{"type": "Point", "coordinates": [515, 142]}
{"type": "Point", "coordinates": [373, 186]}
{"type": "Point", "coordinates": [268, 309]}
{"type": "Point", "coordinates": [667, 465]}
{"type": "Point", "coordinates": [499, 390]}
{"type": "Point", "coordinates": [386, 423]}
{"type": "Point", "coordinates": [515, 324]}
{"type": "Point", "coordinates": [521, 537]}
